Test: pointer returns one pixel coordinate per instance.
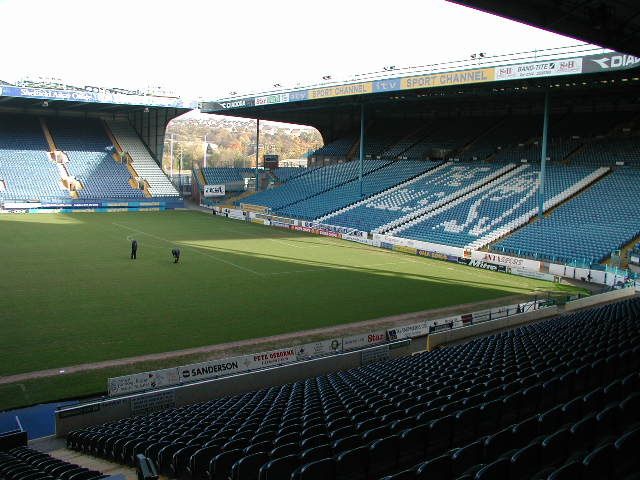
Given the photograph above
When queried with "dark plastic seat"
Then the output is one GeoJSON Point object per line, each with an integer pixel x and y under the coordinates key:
{"type": "Point", "coordinates": [438, 468]}
{"type": "Point", "coordinates": [375, 434]}
{"type": "Point", "coordinates": [403, 475]}
{"type": "Point", "coordinates": [278, 468]}
{"type": "Point", "coordinates": [583, 434]}
{"type": "Point", "coordinates": [413, 444]}
{"type": "Point", "coordinates": [498, 443]}
{"type": "Point", "coordinates": [627, 460]}
{"type": "Point", "coordinates": [199, 461]}
{"type": "Point", "coordinates": [220, 466]}
{"type": "Point", "coordinates": [488, 417]}
{"type": "Point", "coordinates": [525, 462]}
{"type": "Point", "coordinates": [315, 441]}
{"type": "Point", "coordinates": [284, 450]}
{"type": "Point", "coordinates": [353, 464]}
{"type": "Point", "coordinates": [551, 420]}
{"type": "Point", "coordinates": [569, 471]}
{"type": "Point", "coordinates": [439, 437]}
{"type": "Point", "coordinates": [554, 449]}
{"type": "Point", "coordinates": [320, 470]}
{"type": "Point", "coordinates": [495, 470]}
{"type": "Point", "coordinates": [347, 443]}
{"type": "Point", "coordinates": [598, 463]}
{"type": "Point", "coordinates": [464, 426]}
{"type": "Point", "coordinates": [383, 456]}
{"type": "Point", "coordinates": [247, 468]}
{"type": "Point", "coordinates": [466, 457]}
{"type": "Point", "coordinates": [315, 453]}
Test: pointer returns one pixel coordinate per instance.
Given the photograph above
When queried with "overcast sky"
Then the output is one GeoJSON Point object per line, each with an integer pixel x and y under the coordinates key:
{"type": "Point", "coordinates": [212, 47]}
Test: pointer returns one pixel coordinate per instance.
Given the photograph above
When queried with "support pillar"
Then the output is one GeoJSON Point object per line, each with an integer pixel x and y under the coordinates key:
{"type": "Point", "coordinates": [257, 153]}
{"type": "Point", "coordinates": [543, 156]}
{"type": "Point", "coordinates": [361, 147]}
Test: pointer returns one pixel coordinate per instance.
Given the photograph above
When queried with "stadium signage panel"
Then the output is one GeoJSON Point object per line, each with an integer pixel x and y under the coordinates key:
{"type": "Point", "coordinates": [341, 90]}
{"type": "Point", "coordinates": [548, 68]}
{"type": "Point", "coordinates": [449, 78]}
{"type": "Point", "coordinates": [96, 97]}
{"type": "Point", "coordinates": [214, 368]}
{"type": "Point", "coordinates": [143, 381]}
{"type": "Point", "coordinates": [363, 340]}
{"type": "Point", "coordinates": [271, 99]}
{"type": "Point", "coordinates": [317, 349]}
{"type": "Point", "coordinates": [539, 69]}
{"type": "Point", "coordinates": [514, 262]}
{"type": "Point", "coordinates": [214, 191]}
{"type": "Point", "coordinates": [482, 264]}
{"type": "Point", "coordinates": [273, 357]}
{"type": "Point", "coordinates": [612, 61]}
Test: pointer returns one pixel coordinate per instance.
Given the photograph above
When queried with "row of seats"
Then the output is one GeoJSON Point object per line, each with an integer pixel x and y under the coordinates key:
{"type": "Point", "coordinates": [222, 175]}
{"type": "Point", "coordinates": [514, 405]}
{"type": "Point", "coordinates": [25, 168]}
{"type": "Point", "coordinates": [287, 173]}
{"type": "Point", "coordinates": [586, 229]}
{"type": "Point", "coordinates": [23, 463]}
{"type": "Point", "coordinates": [426, 191]}
{"type": "Point", "coordinates": [375, 182]}
{"type": "Point", "coordinates": [337, 148]}
{"type": "Point", "coordinates": [142, 161]}
{"type": "Point", "coordinates": [312, 183]}
{"type": "Point", "coordinates": [491, 208]}
{"type": "Point", "coordinates": [507, 138]}
{"type": "Point", "coordinates": [90, 154]}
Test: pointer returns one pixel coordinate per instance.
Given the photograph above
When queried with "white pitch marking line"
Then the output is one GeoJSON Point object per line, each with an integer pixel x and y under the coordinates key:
{"type": "Point", "coordinates": [192, 248]}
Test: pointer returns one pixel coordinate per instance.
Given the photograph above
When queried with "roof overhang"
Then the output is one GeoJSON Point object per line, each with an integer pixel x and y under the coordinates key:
{"type": "Point", "coordinates": [612, 23]}
{"type": "Point", "coordinates": [318, 105]}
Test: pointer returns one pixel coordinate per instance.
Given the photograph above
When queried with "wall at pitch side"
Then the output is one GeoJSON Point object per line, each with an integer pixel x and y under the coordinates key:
{"type": "Point", "coordinates": [122, 407]}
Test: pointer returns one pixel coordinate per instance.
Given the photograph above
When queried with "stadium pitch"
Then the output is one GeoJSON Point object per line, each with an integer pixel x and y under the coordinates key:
{"type": "Point", "coordinates": [70, 294]}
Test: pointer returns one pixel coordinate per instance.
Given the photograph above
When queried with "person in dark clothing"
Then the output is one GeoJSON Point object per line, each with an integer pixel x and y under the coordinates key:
{"type": "Point", "coordinates": [176, 255]}
{"type": "Point", "coordinates": [134, 249]}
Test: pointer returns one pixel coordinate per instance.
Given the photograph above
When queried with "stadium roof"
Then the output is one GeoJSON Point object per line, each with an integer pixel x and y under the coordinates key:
{"type": "Point", "coordinates": [333, 106]}
{"type": "Point", "coordinates": [612, 23]}
{"type": "Point", "coordinates": [22, 97]}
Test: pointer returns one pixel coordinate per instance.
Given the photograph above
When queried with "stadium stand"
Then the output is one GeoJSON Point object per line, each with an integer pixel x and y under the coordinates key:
{"type": "Point", "coordinates": [586, 229]}
{"type": "Point", "coordinates": [338, 148]}
{"type": "Point", "coordinates": [312, 183]}
{"type": "Point", "coordinates": [609, 150]}
{"type": "Point", "coordinates": [90, 151]}
{"type": "Point", "coordinates": [220, 175]}
{"type": "Point", "coordinates": [555, 399]}
{"type": "Point", "coordinates": [23, 463]}
{"type": "Point", "coordinates": [284, 174]}
{"type": "Point", "coordinates": [447, 136]}
{"type": "Point", "coordinates": [142, 161]}
{"type": "Point", "coordinates": [25, 168]}
{"type": "Point", "coordinates": [425, 192]}
{"type": "Point", "coordinates": [492, 211]}
{"type": "Point", "coordinates": [409, 139]}
{"type": "Point", "coordinates": [395, 172]}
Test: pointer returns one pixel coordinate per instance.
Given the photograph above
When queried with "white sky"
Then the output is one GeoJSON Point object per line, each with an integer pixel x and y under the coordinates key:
{"type": "Point", "coordinates": [209, 48]}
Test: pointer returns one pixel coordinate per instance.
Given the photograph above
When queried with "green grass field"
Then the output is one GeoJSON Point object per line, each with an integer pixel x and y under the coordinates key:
{"type": "Point", "coordinates": [69, 293]}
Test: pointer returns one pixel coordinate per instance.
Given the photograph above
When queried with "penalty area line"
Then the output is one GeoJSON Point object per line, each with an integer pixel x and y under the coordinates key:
{"type": "Point", "coordinates": [213, 257]}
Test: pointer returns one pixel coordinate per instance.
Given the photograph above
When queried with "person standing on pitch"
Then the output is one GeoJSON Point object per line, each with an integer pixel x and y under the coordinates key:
{"type": "Point", "coordinates": [176, 255]}
{"type": "Point", "coordinates": [134, 249]}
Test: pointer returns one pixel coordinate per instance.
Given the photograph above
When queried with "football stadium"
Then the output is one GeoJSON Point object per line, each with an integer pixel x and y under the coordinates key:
{"type": "Point", "coordinates": [447, 288]}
